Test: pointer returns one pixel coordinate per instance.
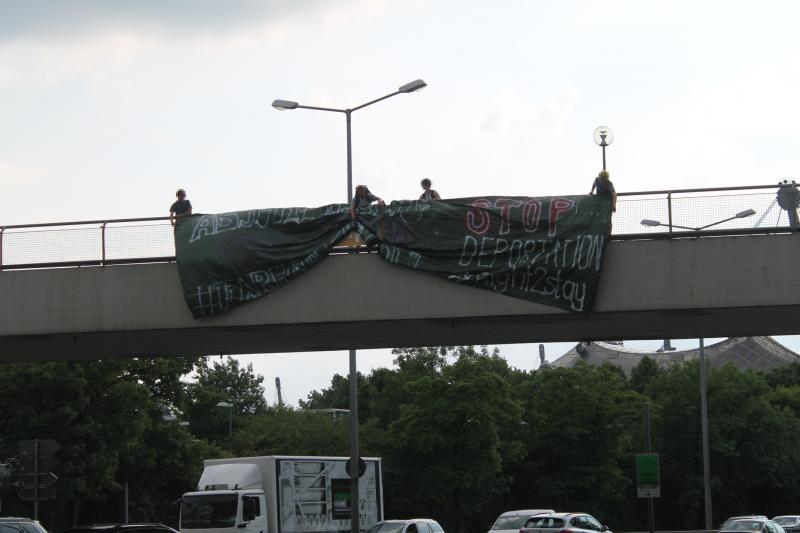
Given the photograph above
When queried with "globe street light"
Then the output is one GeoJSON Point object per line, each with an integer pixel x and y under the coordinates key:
{"type": "Point", "coordinates": [742, 214]}
{"type": "Point", "coordinates": [286, 105]}
{"type": "Point", "coordinates": [603, 136]}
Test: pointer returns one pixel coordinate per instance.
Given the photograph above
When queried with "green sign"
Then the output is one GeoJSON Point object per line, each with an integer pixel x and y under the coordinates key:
{"type": "Point", "coordinates": [547, 249]}
{"type": "Point", "coordinates": [648, 475]}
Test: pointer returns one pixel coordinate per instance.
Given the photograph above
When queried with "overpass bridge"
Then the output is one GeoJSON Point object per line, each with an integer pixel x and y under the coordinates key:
{"type": "Point", "coordinates": [99, 297]}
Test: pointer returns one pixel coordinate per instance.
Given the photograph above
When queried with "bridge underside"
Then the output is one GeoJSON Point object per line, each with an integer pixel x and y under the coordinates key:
{"type": "Point", "coordinates": [712, 287]}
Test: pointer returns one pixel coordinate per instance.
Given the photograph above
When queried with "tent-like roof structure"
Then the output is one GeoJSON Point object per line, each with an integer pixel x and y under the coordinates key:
{"type": "Point", "coordinates": [756, 353]}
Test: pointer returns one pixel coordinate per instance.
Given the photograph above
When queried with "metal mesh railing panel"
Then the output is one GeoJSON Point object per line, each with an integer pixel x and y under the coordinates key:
{"type": "Point", "coordinates": [51, 245]}
{"type": "Point", "coordinates": [698, 212]}
{"type": "Point", "coordinates": [135, 241]}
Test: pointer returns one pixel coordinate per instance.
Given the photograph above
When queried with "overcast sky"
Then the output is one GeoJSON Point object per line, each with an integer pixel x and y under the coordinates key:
{"type": "Point", "coordinates": [108, 106]}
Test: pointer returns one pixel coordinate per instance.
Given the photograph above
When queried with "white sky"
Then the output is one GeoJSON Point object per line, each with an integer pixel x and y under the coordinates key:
{"type": "Point", "coordinates": [107, 107]}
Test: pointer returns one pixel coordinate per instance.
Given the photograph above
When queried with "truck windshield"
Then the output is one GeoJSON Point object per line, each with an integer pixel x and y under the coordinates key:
{"type": "Point", "coordinates": [208, 511]}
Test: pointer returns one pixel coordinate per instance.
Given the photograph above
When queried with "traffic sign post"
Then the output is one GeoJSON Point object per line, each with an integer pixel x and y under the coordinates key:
{"type": "Point", "coordinates": [36, 462]}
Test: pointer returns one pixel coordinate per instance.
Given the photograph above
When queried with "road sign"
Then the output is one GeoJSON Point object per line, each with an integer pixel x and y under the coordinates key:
{"type": "Point", "coordinates": [44, 479]}
{"type": "Point", "coordinates": [29, 493]}
{"type": "Point", "coordinates": [46, 461]}
{"type": "Point", "coordinates": [648, 475]}
{"type": "Point", "coordinates": [362, 467]}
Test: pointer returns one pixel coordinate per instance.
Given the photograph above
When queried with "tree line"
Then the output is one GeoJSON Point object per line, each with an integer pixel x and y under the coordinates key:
{"type": "Point", "coordinates": [463, 436]}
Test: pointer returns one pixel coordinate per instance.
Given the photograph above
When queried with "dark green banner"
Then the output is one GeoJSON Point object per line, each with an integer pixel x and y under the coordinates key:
{"type": "Point", "coordinates": [547, 249]}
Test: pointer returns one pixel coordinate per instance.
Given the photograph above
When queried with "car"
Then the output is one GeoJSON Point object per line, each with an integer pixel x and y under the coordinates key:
{"type": "Point", "coordinates": [121, 528]}
{"type": "Point", "coordinates": [727, 522]}
{"type": "Point", "coordinates": [511, 521]}
{"type": "Point", "coordinates": [752, 525]}
{"type": "Point", "coordinates": [12, 524]}
{"type": "Point", "coordinates": [411, 525]}
{"type": "Point", "coordinates": [789, 522]}
{"type": "Point", "coordinates": [563, 523]}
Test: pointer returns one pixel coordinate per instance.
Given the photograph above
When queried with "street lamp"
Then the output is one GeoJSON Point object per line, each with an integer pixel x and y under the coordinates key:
{"type": "Point", "coordinates": [228, 405]}
{"type": "Point", "coordinates": [603, 136]}
{"type": "Point", "coordinates": [286, 105]}
{"type": "Point", "coordinates": [742, 214]}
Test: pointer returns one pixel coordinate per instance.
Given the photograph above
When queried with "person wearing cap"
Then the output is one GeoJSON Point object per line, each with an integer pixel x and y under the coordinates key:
{"type": "Point", "coordinates": [362, 199]}
{"type": "Point", "coordinates": [181, 208]}
{"type": "Point", "coordinates": [428, 194]}
{"type": "Point", "coordinates": [604, 187]}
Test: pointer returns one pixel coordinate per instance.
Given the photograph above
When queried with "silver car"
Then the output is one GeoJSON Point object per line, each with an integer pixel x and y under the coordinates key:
{"type": "Point", "coordinates": [752, 525]}
{"type": "Point", "coordinates": [411, 525]}
{"type": "Point", "coordinates": [556, 522]}
{"type": "Point", "coordinates": [511, 521]}
{"type": "Point", "coordinates": [789, 522]}
{"type": "Point", "coordinates": [20, 525]}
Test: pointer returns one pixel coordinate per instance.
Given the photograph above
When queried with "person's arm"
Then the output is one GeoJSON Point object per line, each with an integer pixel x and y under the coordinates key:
{"type": "Point", "coordinates": [613, 201]}
{"type": "Point", "coordinates": [435, 195]}
{"type": "Point", "coordinates": [172, 217]}
{"type": "Point", "coordinates": [380, 202]}
{"type": "Point", "coordinates": [594, 184]}
{"type": "Point", "coordinates": [353, 210]}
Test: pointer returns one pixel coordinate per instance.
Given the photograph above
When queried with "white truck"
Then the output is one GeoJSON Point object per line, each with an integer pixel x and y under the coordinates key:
{"type": "Point", "coordinates": [280, 494]}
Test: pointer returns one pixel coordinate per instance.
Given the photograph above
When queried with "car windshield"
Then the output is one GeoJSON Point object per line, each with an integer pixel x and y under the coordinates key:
{"type": "Point", "coordinates": [786, 520]}
{"type": "Point", "coordinates": [745, 525]}
{"type": "Point", "coordinates": [208, 511]}
{"type": "Point", "coordinates": [510, 522]}
{"type": "Point", "coordinates": [387, 527]}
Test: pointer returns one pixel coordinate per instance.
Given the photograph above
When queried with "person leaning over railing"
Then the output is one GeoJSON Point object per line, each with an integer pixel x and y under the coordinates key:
{"type": "Point", "coordinates": [362, 199]}
{"type": "Point", "coordinates": [181, 208]}
{"type": "Point", "coordinates": [428, 194]}
{"type": "Point", "coordinates": [604, 187]}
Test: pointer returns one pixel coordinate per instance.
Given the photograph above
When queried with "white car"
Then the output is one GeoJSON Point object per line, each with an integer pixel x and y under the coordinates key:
{"type": "Point", "coordinates": [511, 521]}
{"type": "Point", "coordinates": [411, 525]}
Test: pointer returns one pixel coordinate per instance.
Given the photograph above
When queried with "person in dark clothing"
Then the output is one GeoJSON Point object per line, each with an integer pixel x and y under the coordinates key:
{"type": "Point", "coordinates": [362, 199]}
{"type": "Point", "coordinates": [788, 197]}
{"type": "Point", "coordinates": [603, 185]}
{"type": "Point", "coordinates": [428, 194]}
{"type": "Point", "coordinates": [181, 208]}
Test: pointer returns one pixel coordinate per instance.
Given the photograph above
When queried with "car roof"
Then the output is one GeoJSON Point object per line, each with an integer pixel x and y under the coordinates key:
{"type": "Point", "coordinates": [404, 520]}
{"type": "Point", "coordinates": [526, 511]}
{"type": "Point", "coordinates": [15, 519]}
{"type": "Point", "coordinates": [117, 527]}
{"type": "Point", "coordinates": [562, 516]}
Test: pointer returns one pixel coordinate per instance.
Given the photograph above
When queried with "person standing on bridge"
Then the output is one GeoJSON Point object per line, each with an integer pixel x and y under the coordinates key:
{"type": "Point", "coordinates": [362, 199]}
{"type": "Point", "coordinates": [181, 208]}
{"type": "Point", "coordinates": [428, 194]}
{"type": "Point", "coordinates": [604, 187]}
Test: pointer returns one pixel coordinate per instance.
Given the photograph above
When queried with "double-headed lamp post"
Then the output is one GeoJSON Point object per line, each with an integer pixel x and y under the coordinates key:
{"type": "Point", "coordinates": [283, 105]}
{"type": "Point", "coordinates": [742, 214]}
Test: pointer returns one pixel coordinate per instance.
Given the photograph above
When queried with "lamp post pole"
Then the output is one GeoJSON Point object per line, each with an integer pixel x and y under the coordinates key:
{"type": "Point", "coordinates": [282, 105]}
{"type": "Point", "coordinates": [704, 429]}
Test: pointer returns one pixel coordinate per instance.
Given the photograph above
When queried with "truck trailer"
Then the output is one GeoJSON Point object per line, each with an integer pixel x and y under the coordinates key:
{"type": "Point", "coordinates": [280, 494]}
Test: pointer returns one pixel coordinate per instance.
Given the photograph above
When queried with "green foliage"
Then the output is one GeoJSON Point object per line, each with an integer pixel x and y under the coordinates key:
{"type": "Point", "coordinates": [463, 435]}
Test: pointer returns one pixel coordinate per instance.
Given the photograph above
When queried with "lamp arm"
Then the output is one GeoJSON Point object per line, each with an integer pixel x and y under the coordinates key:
{"type": "Point", "coordinates": [714, 224]}
{"type": "Point", "coordinates": [315, 108]}
{"type": "Point", "coordinates": [375, 101]}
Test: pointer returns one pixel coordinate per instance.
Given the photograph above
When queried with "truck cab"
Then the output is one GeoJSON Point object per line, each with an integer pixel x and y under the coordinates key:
{"type": "Point", "coordinates": [231, 498]}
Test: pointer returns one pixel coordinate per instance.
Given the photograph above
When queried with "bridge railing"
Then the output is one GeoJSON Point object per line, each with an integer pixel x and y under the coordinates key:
{"type": "Point", "coordinates": [640, 215]}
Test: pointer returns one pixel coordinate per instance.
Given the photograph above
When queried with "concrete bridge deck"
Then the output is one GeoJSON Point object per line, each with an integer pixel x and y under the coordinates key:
{"type": "Point", "coordinates": [712, 287]}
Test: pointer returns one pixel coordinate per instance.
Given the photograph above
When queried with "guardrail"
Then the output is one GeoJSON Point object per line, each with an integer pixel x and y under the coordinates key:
{"type": "Point", "coordinates": [664, 214]}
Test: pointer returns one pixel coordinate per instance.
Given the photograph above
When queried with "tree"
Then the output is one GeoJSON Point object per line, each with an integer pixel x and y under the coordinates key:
{"type": "Point", "coordinates": [222, 381]}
